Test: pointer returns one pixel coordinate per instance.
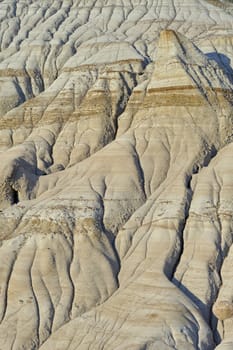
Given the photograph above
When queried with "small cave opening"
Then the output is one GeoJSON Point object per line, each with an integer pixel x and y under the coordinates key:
{"type": "Point", "coordinates": [15, 196]}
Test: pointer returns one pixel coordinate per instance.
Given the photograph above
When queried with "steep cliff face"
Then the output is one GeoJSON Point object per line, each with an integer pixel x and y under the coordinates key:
{"type": "Point", "coordinates": [116, 184]}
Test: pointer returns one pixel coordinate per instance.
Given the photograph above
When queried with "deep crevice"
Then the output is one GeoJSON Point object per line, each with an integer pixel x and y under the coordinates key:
{"type": "Point", "coordinates": [196, 169]}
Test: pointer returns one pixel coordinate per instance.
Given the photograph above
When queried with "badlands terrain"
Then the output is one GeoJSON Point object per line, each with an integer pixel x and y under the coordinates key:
{"type": "Point", "coordinates": [116, 175]}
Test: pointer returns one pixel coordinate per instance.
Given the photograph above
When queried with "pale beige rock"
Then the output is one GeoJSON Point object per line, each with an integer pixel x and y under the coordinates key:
{"type": "Point", "coordinates": [115, 175]}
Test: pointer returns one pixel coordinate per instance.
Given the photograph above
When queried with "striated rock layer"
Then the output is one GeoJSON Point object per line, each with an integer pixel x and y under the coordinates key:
{"type": "Point", "coordinates": [116, 183]}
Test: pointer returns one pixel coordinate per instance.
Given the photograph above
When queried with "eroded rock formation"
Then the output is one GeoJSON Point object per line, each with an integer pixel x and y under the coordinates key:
{"type": "Point", "coordinates": [116, 175]}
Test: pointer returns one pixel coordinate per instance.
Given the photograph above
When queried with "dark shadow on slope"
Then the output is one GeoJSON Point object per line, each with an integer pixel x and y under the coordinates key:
{"type": "Point", "coordinates": [224, 62]}
{"type": "Point", "coordinates": [209, 317]}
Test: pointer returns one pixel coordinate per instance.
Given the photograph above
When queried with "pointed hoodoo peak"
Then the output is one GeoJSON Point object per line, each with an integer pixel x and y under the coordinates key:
{"type": "Point", "coordinates": [173, 45]}
{"type": "Point", "coordinates": [180, 65]}
{"type": "Point", "coordinates": [168, 36]}
{"type": "Point", "coordinates": [169, 44]}
{"type": "Point", "coordinates": [173, 57]}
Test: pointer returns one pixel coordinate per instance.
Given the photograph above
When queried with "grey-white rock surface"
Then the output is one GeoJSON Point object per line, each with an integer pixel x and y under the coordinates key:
{"type": "Point", "coordinates": [116, 186]}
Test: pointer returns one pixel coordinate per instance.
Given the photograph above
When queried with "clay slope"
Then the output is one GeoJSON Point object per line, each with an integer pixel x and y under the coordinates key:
{"type": "Point", "coordinates": [116, 175]}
